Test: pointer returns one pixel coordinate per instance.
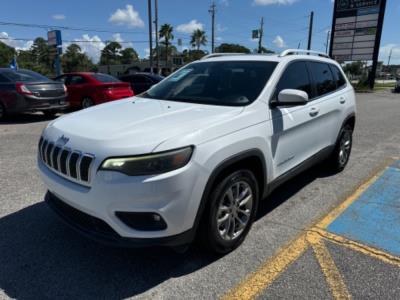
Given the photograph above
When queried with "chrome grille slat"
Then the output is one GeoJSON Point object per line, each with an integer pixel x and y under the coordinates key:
{"type": "Point", "coordinates": [58, 159]}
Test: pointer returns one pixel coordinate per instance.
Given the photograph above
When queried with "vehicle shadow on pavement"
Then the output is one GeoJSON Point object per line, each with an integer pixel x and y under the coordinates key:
{"type": "Point", "coordinates": [290, 188]}
{"type": "Point", "coordinates": [42, 258]}
{"type": "Point", "coordinates": [25, 119]}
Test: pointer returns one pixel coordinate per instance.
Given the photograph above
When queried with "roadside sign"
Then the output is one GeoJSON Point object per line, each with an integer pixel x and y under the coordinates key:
{"type": "Point", "coordinates": [357, 29]}
{"type": "Point", "coordinates": [54, 38]}
{"type": "Point", "coordinates": [254, 34]}
{"type": "Point", "coordinates": [179, 42]}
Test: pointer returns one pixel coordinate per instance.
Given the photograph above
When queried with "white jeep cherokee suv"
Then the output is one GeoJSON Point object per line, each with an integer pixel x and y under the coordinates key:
{"type": "Point", "coordinates": [195, 154]}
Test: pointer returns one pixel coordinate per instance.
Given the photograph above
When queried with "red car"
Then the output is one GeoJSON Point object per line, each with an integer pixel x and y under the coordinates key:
{"type": "Point", "coordinates": [88, 89]}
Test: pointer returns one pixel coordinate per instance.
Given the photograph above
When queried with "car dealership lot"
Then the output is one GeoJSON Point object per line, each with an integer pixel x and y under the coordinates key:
{"type": "Point", "coordinates": [42, 258]}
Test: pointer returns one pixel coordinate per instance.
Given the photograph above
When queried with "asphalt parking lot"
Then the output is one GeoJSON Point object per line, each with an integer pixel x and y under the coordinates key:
{"type": "Point", "coordinates": [301, 246]}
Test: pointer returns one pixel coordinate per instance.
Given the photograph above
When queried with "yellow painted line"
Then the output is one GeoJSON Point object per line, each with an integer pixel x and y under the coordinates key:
{"type": "Point", "coordinates": [255, 283]}
{"type": "Point", "coordinates": [332, 275]}
{"type": "Point", "coordinates": [364, 249]}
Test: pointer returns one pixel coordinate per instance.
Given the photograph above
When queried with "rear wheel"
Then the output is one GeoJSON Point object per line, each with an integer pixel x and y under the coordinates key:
{"type": "Point", "coordinates": [341, 154]}
{"type": "Point", "coordinates": [230, 212]}
{"type": "Point", "coordinates": [87, 102]}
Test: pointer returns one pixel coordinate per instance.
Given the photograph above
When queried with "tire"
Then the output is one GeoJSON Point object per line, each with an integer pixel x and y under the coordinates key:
{"type": "Point", "coordinates": [220, 229]}
{"type": "Point", "coordinates": [3, 112]}
{"type": "Point", "coordinates": [87, 102]}
{"type": "Point", "coordinates": [341, 154]}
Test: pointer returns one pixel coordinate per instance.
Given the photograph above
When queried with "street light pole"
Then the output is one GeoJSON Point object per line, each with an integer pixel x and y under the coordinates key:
{"type": "Point", "coordinates": [261, 35]}
{"type": "Point", "coordinates": [150, 36]}
{"type": "Point", "coordinates": [212, 12]}
{"type": "Point", "coordinates": [310, 29]}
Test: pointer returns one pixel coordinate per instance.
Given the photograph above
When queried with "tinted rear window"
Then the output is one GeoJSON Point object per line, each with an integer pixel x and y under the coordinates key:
{"type": "Point", "coordinates": [338, 76]}
{"type": "Point", "coordinates": [323, 78]}
{"type": "Point", "coordinates": [105, 78]}
{"type": "Point", "coordinates": [25, 76]}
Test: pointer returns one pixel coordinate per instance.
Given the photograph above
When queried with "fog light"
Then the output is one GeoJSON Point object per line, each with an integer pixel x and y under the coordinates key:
{"type": "Point", "coordinates": [144, 221]}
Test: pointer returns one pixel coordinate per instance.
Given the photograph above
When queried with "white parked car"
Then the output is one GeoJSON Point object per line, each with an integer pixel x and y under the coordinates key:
{"type": "Point", "coordinates": [195, 154]}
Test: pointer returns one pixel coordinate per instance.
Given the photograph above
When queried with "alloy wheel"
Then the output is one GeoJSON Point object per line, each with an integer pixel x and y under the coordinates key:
{"type": "Point", "coordinates": [345, 147]}
{"type": "Point", "coordinates": [234, 210]}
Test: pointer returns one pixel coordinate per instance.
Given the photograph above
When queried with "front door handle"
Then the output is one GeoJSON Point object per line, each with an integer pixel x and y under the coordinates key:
{"type": "Point", "coordinates": [342, 100]}
{"type": "Point", "coordinates": [314, 112]}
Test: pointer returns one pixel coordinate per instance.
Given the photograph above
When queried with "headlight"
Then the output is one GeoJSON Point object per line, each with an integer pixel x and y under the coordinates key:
{"type": "Point", "coordinates": [149, 164]}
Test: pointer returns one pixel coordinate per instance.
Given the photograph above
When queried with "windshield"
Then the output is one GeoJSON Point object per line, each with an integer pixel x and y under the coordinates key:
{"type": "Point", "coordinates": [230, 83]}
{"type": "Point", "coordinates": [105, 78]}
{"type": "Point", "coordinates": [25, 76]}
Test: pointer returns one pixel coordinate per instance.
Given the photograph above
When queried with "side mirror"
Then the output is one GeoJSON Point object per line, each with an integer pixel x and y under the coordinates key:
{"type": "Point", "coordinates": [291, 97]}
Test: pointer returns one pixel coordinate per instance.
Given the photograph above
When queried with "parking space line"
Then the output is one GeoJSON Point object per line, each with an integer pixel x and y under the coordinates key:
{"type": "Point", "coordinates": [333, 277]}
{"type": "Point", "coordinates": [364, 249]}
{"type": "Point", "coordinates": [253, 285]}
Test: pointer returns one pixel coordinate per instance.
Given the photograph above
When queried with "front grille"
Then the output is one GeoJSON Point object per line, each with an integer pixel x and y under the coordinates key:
{"type": "Point", "coordinates": [72, 164]}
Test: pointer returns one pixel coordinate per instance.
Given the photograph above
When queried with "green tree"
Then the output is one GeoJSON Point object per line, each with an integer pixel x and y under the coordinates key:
{"type": "Point", "coordinates": [6, 54]}
{"type": "Point", "coordinates": [42, 60]}
{"type": "Point", "coordinates": [355, 68]}
{"type": "Point", "coordinates": [232, 48]}
{"type": "Point", "coordinates": [129, 56]}
{"type": "Point", "coordinates": [111, 54]}
{"type": "Point", "coordinates": [74, 60]}
{"type": "Point", "coordinates": [166, 36]}
{"type": "Point", "coordinates": [192, 55]}
{"type": "Point", "coordinates": [198, 38]}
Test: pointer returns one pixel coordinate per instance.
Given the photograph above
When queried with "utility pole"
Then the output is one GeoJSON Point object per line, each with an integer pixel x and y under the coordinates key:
{"type": "Point", "coordinates": [212, 12]}
{"type": "Point", "coordinates": [328, 36]}
{"type": "Point", "coordinates": [390, 56]}
{"type": "Point", "coordinates": [150, 36]}
{"type": "Point", "coordinates": [310, 29]}
{"type": "Point", "coordinates": [156, 29]}
{"type": "Point", "coordinates": [261, 32]}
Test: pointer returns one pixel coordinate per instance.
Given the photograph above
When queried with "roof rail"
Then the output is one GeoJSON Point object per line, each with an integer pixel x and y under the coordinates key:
{"type": "Point", "coordinates": [220, 54]}
{"type": "Point", "coordinates": [303, 51]}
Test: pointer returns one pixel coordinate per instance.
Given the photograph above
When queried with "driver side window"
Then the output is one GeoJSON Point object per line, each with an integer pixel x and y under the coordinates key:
{"type": "Point", "coordinates": [295, 77]}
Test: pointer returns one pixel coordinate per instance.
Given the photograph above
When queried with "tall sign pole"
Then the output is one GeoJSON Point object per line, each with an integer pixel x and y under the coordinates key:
{"type": "Point", "coordinates": [310, 30]}
{"type": "Point", "coordinates": [55, 43]}
{"type": "Point", "coordinates": [150, 36]}
{"type": "Point", "coordinates": [357, 31]}
{"type": "Point", "coordinates": [156, 30]}
{"type": "Point", "coordinates": [212, 12]}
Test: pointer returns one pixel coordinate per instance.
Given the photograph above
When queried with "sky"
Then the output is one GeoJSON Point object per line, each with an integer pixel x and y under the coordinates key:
{"type": "Point", "coordinates": [285, 23]}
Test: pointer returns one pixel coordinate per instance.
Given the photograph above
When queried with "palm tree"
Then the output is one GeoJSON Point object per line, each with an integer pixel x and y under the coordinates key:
{"type": "Point", "coordinates": [166, 34]}
{"type": "Point", "coordinates": [198, 38]}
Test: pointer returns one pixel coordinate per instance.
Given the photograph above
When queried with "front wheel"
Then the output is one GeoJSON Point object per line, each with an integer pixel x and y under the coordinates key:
{"type": "Point", "coordinates": [230, 212]}
{"type": "Point", "coordinates": [341, 154]}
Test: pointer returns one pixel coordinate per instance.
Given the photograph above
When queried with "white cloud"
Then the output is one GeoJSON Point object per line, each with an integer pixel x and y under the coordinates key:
{"type": "Point", "coordinates": [128, 16]}
{"type": "Point", "coordinates": [272, 2]}
{"type": "Point", "coordinates": [92, 46]}
{"type": "Point", "coordinates": [384, 53]}
{"type": "Point", "coordinates": [58, 17]}
{"type": "Point", "coordinates": [117, 38]}
{"type": "Point", "coordinates": [18, 45]}
{"type": "Point", "coordinates": [189, 27]}
{"type": "Point", "coordinates": [279, 42]}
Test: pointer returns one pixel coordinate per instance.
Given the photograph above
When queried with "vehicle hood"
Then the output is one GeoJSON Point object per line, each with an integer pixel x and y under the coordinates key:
{"type": "Point", "coordinates": [135, 125]}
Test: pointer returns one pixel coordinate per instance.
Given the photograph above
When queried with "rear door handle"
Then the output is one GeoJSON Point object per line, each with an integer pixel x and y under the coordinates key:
{"type": "Point", "coordinates": [314, 112]}
{"type": "Point", "coordinates": [342, 100]}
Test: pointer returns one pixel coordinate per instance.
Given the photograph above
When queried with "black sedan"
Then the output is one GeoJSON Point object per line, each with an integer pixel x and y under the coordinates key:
{"type": "Point", "coordinates": [27, 91]}
{"type": "Point", "coordinates": [141, 82]}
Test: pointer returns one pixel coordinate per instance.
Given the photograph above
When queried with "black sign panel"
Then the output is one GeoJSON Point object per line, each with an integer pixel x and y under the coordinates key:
{"type": "Point", "coordinates": [356, 29]}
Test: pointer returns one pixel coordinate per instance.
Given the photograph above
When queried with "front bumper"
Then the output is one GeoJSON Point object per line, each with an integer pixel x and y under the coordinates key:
{"type": "Point", "coordinates": [99, 231]}
{"type": "Point", "coordinates": [175, 196]}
